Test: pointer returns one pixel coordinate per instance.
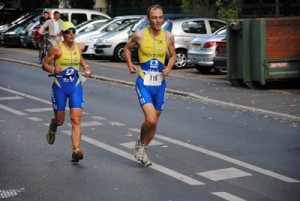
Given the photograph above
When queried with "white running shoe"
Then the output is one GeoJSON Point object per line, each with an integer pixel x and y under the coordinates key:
{"type": "Point", "coordinates": [138, 150]}
{"type": "Point", "coordinates": [145, 160]}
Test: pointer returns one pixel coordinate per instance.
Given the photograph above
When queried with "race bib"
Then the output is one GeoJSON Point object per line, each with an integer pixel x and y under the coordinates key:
{"type": "Point", "coordinates": [153, 79]}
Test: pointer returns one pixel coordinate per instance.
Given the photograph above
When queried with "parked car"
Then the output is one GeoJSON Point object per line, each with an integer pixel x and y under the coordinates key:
{"type": "Point", "coordinates": [202, 50]}
{"type": "Point", "coordinates": [89, 38]}
{"type": "Point", "coordinates": [11, 35]}
{"type": "Point", "coordinates": [184, 30]}
{"type": "Point", "coordinates": [111, 45]}
{"type": "Point", "coordinates": [76, 16]}
{"type": "Point", "coordinates": [89, 25]}
{"type": "Point", "coordinates": [16, 21]}
{"type": "Point", "coordinates": [29, 37]}
{"type": "Point", "coordinates": [220, 61]}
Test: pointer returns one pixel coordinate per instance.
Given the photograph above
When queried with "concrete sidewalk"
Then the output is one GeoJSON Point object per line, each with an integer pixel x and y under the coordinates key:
{"type": "Point", "coordinates": [277, 102]}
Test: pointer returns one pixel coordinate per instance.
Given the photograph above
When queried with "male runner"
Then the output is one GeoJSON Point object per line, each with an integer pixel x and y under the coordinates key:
{"type": "Point", "coordinates": [153, 45]}
{"type": "Point", "coordinates": [67, 85]}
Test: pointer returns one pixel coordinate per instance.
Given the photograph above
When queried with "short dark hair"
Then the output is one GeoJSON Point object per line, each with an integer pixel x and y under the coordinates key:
{"type": "Point", "coordinates": [155, 6]}
{"type": "Point", "coordinates": [55, 12]}
{"type": "Point", "coordinates": [46, 12]}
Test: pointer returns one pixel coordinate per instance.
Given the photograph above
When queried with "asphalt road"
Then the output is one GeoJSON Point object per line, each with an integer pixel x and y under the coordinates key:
{"type": "Point", "coordinates": [202, 151]}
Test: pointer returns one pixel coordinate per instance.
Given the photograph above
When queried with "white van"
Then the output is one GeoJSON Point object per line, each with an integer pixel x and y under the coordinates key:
{"type": "Point", "coordinates": [77, 16]}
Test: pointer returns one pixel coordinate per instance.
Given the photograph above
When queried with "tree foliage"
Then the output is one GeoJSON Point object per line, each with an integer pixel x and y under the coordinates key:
{"type": "Point", "coordinates": [229, 9]}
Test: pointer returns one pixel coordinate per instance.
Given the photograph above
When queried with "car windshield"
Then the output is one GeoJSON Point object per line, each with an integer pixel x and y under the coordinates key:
{"type": "Point", "coordinates": [221, 31]}
{"type": "Point", "coordinates": [83, 24]}
{"type": "Point", "coordinates": [96, 26]}
{"type": "Point", "coordinates": [140, 25]}
{"type": "Point", "coordinates": [125, 26]}
{"type": "Point", "coordinates": [167, 26]}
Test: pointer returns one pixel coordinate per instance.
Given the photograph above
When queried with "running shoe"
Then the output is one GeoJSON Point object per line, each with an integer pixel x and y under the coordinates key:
{"type": "Point", "coordinates": [77, 155]}
{"type": "Point", "coordinates": [145, 160]}
{"type": "Point", "coordinates": [50, 135]}
{"type": "Point", "coordinates": [138, 150]}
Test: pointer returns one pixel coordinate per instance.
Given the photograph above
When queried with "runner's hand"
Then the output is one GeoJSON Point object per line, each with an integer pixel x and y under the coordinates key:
{"type": "Point", "coordinates": [165, 71]}
{"type": "Point", "coordinates": [57, 70]}
{"type": "Point", "coordinates": [88, 72]}
{"type": "Point", "coordinates": [132, 69]}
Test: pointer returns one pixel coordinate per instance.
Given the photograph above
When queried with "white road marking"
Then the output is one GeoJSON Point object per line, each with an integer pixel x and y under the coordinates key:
{"type": "Point", "coordinates": [228, 196]}
{"type": "Point", "coordinates": [159, 168]}
{"type": "Point", "coordinates": [11, 193]}
{"type": "Point", "coordinates": [223, 174]}
{"type": "Point", "coordinates": [98, 118]}
{"type": "Point", "coordinates": [11, 110]}
{"type": "Point", "coordinates": [35, 119]}
{"type": "Point", "coordinates": [11, 98]}
{"type": "Point", "coordinates": [90, 123]}
{"type": "Point", "coordinates": [116, 124]}
{"type": "Point", "coordinates": [131, 145]}
{"type": "Point", "coordinates": [34, 110]}
{"type": "Point", "coordinates": [225, 158]}
{"type": "Point", "coordinates": [229, 159]}
{"type": "Point", "coordinates": [26, 95]}
{"type": "Point", "coordinates": [192, 147]}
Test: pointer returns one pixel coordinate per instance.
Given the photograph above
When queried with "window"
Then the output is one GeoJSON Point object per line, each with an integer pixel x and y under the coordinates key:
{"type": "Point", "coordinates": [77, 18]}
{"type": "Point", "coordinates": [195, 27]}
{"type": "Point", "coordinates": [216, 25]}
{"type": "Point", "coordinates": [98, 17]}
{"type": "Point", "coordinates": [64, 16]}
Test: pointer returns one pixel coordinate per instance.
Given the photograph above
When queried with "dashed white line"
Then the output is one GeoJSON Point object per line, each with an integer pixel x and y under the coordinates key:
{"type": "Point", "coordinates": [223, 174]}
{"type": "Point", "coordinates": [35, 110]}
{"type": "Point", "coordinates": [225, 158]}
{"type": "Point", "coordinates": [228, 196]}
{"type": "Point", "coordinates": [98, 117]}
{"type": "Point", "coordinates": [35, 119]}
{"type": "Point", "coordinates": [159, 168]}
{"type": "Point", "coordinates": [116, 124]}
{"type": "Point", "coordinates": [11, 110]}
{"type": "Point", "coordinates": [11, 98]}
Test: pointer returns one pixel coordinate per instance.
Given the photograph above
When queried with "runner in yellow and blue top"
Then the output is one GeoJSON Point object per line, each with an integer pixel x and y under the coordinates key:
{"type": "Point", "coordinates": [153, 45]}
{"type": "Point", "coordinates": [67, 85]}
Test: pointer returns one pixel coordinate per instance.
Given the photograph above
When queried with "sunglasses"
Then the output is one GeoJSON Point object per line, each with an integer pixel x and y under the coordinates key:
{"type": "Point", "coordinates": [69, 31]}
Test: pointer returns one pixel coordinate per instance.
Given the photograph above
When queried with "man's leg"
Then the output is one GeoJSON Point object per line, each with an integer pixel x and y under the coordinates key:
{"type": "Point", "coordinates": [148, 128]}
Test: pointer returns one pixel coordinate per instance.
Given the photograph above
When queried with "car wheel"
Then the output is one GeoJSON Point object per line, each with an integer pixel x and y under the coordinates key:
{"type": "Point", "coordinates": [181, 59]}
{"type": "Point", "coordinates": [119, 54]}
{"type": "Point", "coordinates": [204, 69]}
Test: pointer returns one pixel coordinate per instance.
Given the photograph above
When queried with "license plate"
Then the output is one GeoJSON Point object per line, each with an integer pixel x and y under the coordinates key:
{"type": "Point", "coordinates": [196, 46]}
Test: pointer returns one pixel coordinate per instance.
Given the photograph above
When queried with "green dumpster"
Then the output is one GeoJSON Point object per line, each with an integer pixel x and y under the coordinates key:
{"type": "Point", "coordinates": [263, 50]}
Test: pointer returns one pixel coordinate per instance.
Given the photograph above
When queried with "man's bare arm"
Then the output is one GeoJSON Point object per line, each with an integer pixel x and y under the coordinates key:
{"type": "Point", "coordinates": [172, 52]}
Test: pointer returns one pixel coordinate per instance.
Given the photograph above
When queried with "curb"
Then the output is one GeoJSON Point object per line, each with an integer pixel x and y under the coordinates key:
{"type": "Point", "coordinates": [182, 93]}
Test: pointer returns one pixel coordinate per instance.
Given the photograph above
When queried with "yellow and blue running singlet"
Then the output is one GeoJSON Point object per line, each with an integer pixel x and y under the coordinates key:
{"type": "Point", "coordinates": [67, 84]}
{"type": "Point", "coordinates": [150, 84]}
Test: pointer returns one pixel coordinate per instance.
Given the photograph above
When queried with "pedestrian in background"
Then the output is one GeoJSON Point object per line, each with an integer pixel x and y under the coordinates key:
{"type": "Point", "coordinates": [54, 27]}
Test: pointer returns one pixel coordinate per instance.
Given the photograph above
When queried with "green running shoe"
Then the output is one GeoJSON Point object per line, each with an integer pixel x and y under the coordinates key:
{"type": "Point", "coordinates": [50, 136]}
{"type": "Point", "coordinates": [77, 155]}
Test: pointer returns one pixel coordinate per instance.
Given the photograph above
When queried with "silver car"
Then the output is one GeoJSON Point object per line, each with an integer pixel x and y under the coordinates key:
{"type": "Point", "coordinates": [90, 38]}
{"type": "Point", "coordinates": [202, 50]}
{"type": "Point", "coordinates": [90, 25]}
{"type": "Point", "coordinates": [112, 44]}
{"type": "Point", "coordinates": [184, 30]}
